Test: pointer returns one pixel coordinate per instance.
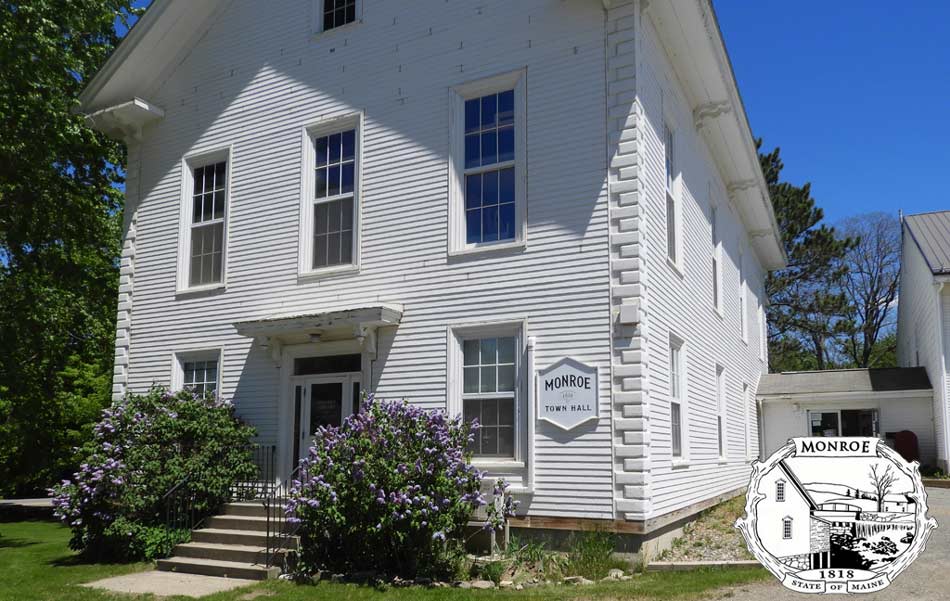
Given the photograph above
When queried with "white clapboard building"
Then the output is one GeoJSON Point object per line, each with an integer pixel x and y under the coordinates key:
{"type": "Point", "coordinates": [547, 214]}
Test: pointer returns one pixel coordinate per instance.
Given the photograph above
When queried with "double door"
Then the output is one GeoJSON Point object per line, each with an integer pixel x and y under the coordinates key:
{"type": "Point", "coordinates": [321, 401]}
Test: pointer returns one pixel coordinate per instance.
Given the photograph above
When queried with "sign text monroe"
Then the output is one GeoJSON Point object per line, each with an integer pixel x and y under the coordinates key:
{"type": "Point", "coordinates": [567, 393]}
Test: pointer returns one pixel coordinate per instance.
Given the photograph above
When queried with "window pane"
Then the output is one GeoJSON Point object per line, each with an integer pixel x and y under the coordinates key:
{"type": "Point", "coordinates": [489, 148]}
{"type": "Point", "coordinates": [490, 224]}
{"type": "Point", "coordinates": [506, 185]}
{"type": "Point", "coordinates": [489, 412]}
{"type": "Point", "coordinates": [348, 175]}
{"type": "Point", "coordinates": [219, 204]}
{"type": "Point", "coordinates": [322, 151]}
{"type": "Point", "coordinates": [473, 191]}
{"type": "Point", "coordinates": [472, 111]}
{"type": "Point", "coordinates": [199, 177]}
{"type": "Point", "coordinates": [489, 351]}
{"type": "Point", "coordinates": [489, 438]}
{"type": "Point", "coordinates": [472, 151]}
{"type": "Point", "coordinates": [506, 350]}
{"type": "Point", "coordinates": [207, 264]}
{"type": "Point", "coordinates": [506, 144]}
{"type": "Point", "coordinates": [320, 250]}
{"type": "Point", "coordinates": [220, 175]}
{"type": "Point", "coordinates": [506, 107]}
{"type": "Point", "coordinates": [333, 249]}
{"type": "Point", "coordinates": [347, 214]}
{"type": "Point", "coordinates": [320, 219]}
{"type": "Point", "coordinates": [327, 21]}
{"type": "Point", "coordinates": [470, 352]}
{"type": "Point", "coordinates": [349, 144]}
{"type": "Point", "coordinates": [196, 209]}
{"type": "Point", "coordinates": [346, 247]}
{"type": "Point", "coordinates": [470, 378]}
{"type": "Point", "coordinates": [506, 221]}
{"type": "Point", "coordinates": [335, 142]}
{"type": "Point", "coordinates": [207, 209]}
{"type": "Point", "coordinates": [333, 180]}
{"type": "Point", "coordinates": [506, 412]}
{"type": "Point", "coordinates": [487, 380]}
{"type": "Point", "coordinates": [670, 227]}
{"type": "Point", "coordinates": [506, 378]}
{"type": "Point", "coordinates": [333, 216]}
{"type": "Point", "coordinates": [473, 226]}
{"type": "Point", "coordinates": [350, 13]}
{"type": "Point", "coordinates": [321, 184]}
{"type": "Point", "coordinates": [489, 109]}
{"type": "Point", "coordinates": [506, 442]}
{"type": "Point", "coordinates": [194, 275]}
{"type": "Point", "coordinates": [471, 410]}
{"type": "Point", "coordinates": [340, 16]}
{"type": "Point", "coordinates": [676, 429]}
{"type": "Point", "coordinates": [490, 188]}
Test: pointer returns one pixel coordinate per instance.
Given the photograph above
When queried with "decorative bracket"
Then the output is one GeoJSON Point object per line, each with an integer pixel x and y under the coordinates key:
{"type": "Point", "coordinates": [705, 113]}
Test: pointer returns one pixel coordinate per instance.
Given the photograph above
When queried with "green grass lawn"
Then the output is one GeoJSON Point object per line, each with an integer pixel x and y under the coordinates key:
{"type": "Point", "coordinates": [36, 564]}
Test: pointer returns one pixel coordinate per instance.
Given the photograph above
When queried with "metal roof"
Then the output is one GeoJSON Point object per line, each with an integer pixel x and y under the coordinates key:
{"type": "Point", "coordinates": [931, 233]}
{"type": "Point", "coordinates": [844, 380]}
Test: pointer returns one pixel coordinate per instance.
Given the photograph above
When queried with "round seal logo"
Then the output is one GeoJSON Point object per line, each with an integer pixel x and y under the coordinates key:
{"type": "Point", "coordinates": [836, 515]}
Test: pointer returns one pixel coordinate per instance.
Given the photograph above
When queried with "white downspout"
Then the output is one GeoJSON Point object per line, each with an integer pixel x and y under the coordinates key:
{"type": "Point", "coordinates": [532, 403]}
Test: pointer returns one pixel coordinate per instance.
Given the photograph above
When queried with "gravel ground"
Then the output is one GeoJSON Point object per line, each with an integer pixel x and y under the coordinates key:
{"type": "Point", "coordinates": [712, 537]}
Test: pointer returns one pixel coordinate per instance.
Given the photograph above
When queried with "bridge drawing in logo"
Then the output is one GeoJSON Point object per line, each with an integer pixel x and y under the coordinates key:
{"type": "Point", "coordinates": [836, 515]}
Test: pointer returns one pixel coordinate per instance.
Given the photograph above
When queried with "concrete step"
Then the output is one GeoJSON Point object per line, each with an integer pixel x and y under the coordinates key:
{"type": "Point", "coordinates": [243, 522]}
{"type": "Point", "coordinates": [220, 552]}
{"type": "Point", "coordinates": [213, 567]}
{"type": "Point", "coordinates": [221, 536]}
{"type": "Point", "coordinates": [254, 509]}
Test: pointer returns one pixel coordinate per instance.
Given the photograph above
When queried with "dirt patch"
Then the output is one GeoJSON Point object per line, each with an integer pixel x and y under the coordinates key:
{"type": "Point", "coordinates": [712, 537]}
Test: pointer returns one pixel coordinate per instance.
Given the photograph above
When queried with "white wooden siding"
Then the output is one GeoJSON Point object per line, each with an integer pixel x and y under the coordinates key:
{"type": "Point", "coordinates": [682, 304]}
{"type": "Point", "coordinates": [255, 87]}
{"type": "Point", "coordinates": [918, 333]}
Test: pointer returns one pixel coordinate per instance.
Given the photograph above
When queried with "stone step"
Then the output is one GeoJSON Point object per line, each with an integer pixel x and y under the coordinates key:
{"type": "Point", "coordinates": [221, 552]}
{"type": "Point", "coordinates": [254, 509]}
{"type": "Point", "coordinates": [243, 522]}
{"type": "Point", "coordinates": [254, 538]}
{"type": "Point", "coordinates": [213, 567]}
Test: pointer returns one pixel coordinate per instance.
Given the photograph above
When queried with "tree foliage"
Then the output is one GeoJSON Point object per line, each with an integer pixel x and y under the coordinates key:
{"type": "Point", "coordinates": [60, 212]}
{"type": "Point", "coordinates": [806, 307]}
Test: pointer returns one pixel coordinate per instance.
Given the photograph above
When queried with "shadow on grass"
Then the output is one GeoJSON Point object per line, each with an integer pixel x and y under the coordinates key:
{"type": "Point", "coordinates": [15, 543]}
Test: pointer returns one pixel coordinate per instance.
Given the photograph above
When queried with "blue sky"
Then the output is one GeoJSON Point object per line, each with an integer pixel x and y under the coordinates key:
{"type": "Point", "coordinates": [856, 94]}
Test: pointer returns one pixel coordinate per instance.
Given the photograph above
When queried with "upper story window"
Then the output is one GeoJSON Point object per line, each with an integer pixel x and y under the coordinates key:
{"type": "Point", "coordinates": [204, 210]}
{"type": "Point", "coordinates": [716, 253]}
{"type": "Point", "coordinates": [743, 326]}
{"type": "Point", "coordinates": [672, 218]}
{"type": "Point", "coordinates": [330, 210]}
{"type": "Point", "coordinates": [336, 13]}
{"type": "Point", "coordinates": [780, 491]}
{"type": "Point", "coordinates": [721, 409]}
{"type": "Point", "coordinates": [487, 170]}
{"type": "Point", "coordinates": [676, 396]}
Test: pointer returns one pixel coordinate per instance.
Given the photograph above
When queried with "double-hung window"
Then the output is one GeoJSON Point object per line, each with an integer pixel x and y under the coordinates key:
{"type": "Point", "coordinates": [330, 209]}
{"type": "Point", "coordinates": [489, 394]}
{"type": "Point", "coordinates": [487, 191]}
{"type": "Point", "coordinates": [671, 216]}
{"type": "Point", "coordinates": [197, 371]}
{"type": "Point", "coordinates": [334, 13]}
{"type": "Point", "coordinates": [676, 397]}
{"type": "Point", "coordinates": [721, 409]}
{"type": "Point", "coordinates": [204, 211]}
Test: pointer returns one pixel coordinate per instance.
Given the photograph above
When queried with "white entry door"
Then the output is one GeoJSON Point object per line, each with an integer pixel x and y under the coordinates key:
{"type": "Point", "coordinates": [321, 401]}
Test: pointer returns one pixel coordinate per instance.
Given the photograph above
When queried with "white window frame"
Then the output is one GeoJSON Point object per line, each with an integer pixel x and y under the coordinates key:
{"type": "Point", "coordinates": [514, 80]}
{"type": "Point", "coordinates": [189, 163]}
{"type": "Point", "coordinates": [179, 358]}
{"type": "Point", "coordinates": [317, 22]}
{"type": "Point", "coordinates": [787, 528]}
{"type": "Point", "coordinates": [722, 428]}
{"type": "Point", "coordinates": [517, 328]}
{"type": "Point", "coordinates": [672, 205]}
{"type": "Point", "coordinates": [763, 332]}
{"type": "Point", "coordinates": [747, 435]}
{"type": "Point", "coordinates": [743, 308]}
{"type": "Point", "coordinates": [678, 395]}
{"type": "Point", "coordinates": [716, 237]}
{"type": "Point", "coordinates": [310, 133]}
{"type": "Point", "coordinates": [780, 491]}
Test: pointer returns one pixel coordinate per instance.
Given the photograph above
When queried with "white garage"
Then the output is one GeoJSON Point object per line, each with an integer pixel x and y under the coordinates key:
{"type": "Point", "coordinates": [848, 402]}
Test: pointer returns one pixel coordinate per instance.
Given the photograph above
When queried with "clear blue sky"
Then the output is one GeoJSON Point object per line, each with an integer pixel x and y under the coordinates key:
{"type": "Point", "coordinates": [856, 94]}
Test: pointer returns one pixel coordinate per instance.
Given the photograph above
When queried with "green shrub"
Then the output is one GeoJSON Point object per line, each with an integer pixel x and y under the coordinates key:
{"type": "Point", "coordinates": [592, 555]}
{"type": "Point", "coordinates": [145, 445]}
{"type": "Point", "coordinates": [494, 571]}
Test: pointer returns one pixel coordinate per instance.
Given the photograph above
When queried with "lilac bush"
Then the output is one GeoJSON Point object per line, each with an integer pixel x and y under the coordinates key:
{"type": "Point", "coordinates": [391, 490]}
{"type": "Point", "coordinates": [142, 447]}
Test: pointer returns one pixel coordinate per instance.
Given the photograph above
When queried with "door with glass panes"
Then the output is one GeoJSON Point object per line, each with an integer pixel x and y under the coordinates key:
{"type": "Point", "coordinates": [321, 401]}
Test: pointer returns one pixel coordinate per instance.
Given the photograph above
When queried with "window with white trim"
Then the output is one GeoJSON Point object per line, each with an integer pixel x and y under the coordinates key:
{"type": "Point", "coordinates": [743, 329]}
{"type": "Point", "coordinates": [763, 333]}
{"type": "Point", "coordinates": [487, 190]}
{"type": "Point", "coordinates": [204, 212]}
{"type": "Point", "coordinates": [676, 397]}
{"type": "Point", "coordinates": [489, 394]}
{"type": "Point", "coordinates": [780, 491]}
{"type": "Point", "coordinates": [716, 254]}
{"type": "Point", "coordinates": [745, 419]}
{"type": "Point", "coordinates": [671, 217]}
{"type": "Point", "coordinates": [335, 13]}
{"type": "Point", "coordinates": [330, 211]}
{"type": "Point", "coordinates": [787, 528]}
{"type": "Point", "coordinates": [198, 371]}
{"type": "Point", "coordinates": [721, 409]}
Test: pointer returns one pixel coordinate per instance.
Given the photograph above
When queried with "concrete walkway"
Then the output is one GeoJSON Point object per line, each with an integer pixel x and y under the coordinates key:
{"type": "Point", "coordinates": [927, 579]}
{"type": "Point", "coordinates": [168, 584]}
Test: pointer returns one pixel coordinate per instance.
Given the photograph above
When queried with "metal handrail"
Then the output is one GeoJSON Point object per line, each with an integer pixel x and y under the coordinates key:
{"type": "Point", "coordinates": [278, 535]}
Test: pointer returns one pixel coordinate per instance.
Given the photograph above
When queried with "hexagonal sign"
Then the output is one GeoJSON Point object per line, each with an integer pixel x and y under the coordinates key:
{"type": "Point", "coordinates": [567, 393]}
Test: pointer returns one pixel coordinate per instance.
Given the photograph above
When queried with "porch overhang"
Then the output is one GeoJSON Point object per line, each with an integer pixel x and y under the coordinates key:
{"type": "Point", "coordinates": [347, 323]}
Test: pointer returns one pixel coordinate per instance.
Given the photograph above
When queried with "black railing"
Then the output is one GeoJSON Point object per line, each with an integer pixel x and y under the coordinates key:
{"type": "Point", "coordinates": [262, 485]}
{"type": "Point", "coordinates": [280, 529]}
{"type": "Point", "coordinates": [179, 507]}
